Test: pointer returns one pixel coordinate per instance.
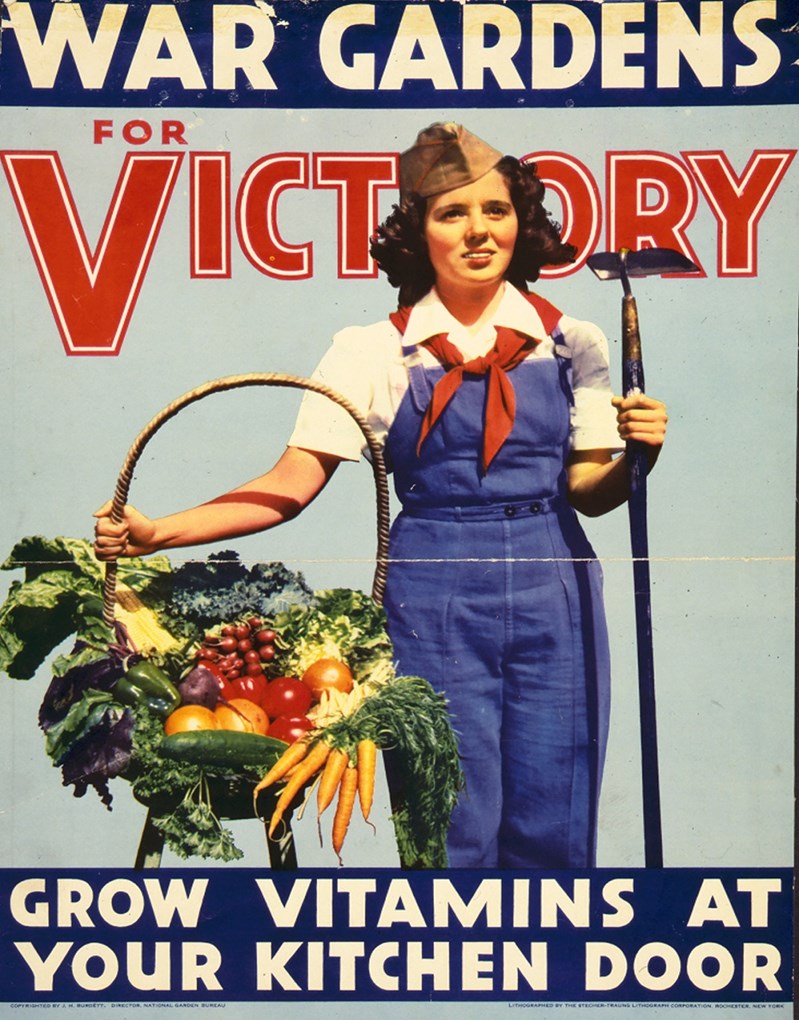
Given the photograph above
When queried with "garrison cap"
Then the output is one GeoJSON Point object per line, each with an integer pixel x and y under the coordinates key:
{"type": "Point", "coordinates": [445, 156]}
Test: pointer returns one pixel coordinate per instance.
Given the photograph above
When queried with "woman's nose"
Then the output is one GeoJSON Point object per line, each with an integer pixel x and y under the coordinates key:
{"type": "Point", "coordinates": [477, 227]}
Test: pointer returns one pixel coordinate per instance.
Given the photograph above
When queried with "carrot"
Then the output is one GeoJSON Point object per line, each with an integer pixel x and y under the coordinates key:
{"type": "Point", "coordinates": [367, 765]}
{"type": "Point", "coordinates": [311, 764]}
{"type": "Point", "coordinates": [293, 754]}
{"type": "Point", "coordinates": [346, 801]}
{"type": "Point", "coordinates": [331, 777]}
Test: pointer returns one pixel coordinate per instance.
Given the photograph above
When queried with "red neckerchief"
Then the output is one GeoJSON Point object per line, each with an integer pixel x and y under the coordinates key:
{"type": "Point", "coordinates": [510, 348]}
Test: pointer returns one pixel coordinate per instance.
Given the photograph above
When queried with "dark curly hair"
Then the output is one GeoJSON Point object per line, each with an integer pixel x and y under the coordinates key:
{"type": "Point", "coordinates": [399, 247]}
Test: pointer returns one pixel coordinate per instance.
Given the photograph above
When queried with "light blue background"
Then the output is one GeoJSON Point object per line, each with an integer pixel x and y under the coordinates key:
{"type": "Point", "coordinates": [720, 352]}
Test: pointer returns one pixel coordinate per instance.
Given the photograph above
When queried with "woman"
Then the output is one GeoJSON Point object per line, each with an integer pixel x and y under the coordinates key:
{"type": "Point", "coordinates": [497, 419]}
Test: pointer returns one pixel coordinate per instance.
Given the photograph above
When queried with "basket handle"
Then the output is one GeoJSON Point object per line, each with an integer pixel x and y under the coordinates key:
{"type": "Point", "coordinates": [232, 382]}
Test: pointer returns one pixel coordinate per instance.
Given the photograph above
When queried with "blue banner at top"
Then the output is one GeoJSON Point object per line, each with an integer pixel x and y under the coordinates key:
{"type": "Point", "coordinates": [394, 54]}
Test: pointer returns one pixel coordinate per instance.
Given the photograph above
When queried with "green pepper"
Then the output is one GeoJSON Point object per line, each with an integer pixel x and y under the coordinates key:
{"type": "Point", "coordinates": [146, 684]}
{"type": "Point", "coordinates": [129, 694]}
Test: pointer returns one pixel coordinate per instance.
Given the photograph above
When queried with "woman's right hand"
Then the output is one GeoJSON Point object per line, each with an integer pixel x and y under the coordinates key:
{"type": "Point", "coordinates": [133, 536]}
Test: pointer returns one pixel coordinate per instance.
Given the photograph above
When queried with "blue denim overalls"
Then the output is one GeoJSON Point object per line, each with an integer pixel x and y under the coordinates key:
{"type": "Point", "coordinates": [494, 595]}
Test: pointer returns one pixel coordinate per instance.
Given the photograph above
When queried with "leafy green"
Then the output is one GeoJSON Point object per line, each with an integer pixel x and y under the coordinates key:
{"type": "Point", "coordinates": [91, 742]}
{"type": "Point", "coordinates": [412, 722]}
{"type": "Point", "coordinates": [90, 669]}
{"type": "Point", "coordinates": [342, 624]}
{"type": "Point", "coordinates": [151, 775]}
{"type": "Point", "coordinates": [223, 589]}
{"type": "Point", "coordinates": [58, 597]}
{"type": "Point", "coordinates": [36, 617]}
{"type": "Point", "coordinates": [93, 637]}
{"type": "Point", "coordinates": [82, 716]}
{"type": "Point", "coordinates": [101, 754]}
{"type": "Point", "coordinates": [192, 829]}
{"type": "Point", "coordinates": [38, 555]}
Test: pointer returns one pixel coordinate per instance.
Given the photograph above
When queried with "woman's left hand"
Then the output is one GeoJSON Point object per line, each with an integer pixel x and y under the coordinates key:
{"type": "Point", "coordinates": [641, 418]}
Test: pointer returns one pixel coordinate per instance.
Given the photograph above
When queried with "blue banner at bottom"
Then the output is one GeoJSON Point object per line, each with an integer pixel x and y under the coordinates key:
{"type": "Point", "coordinates": [672, 935]}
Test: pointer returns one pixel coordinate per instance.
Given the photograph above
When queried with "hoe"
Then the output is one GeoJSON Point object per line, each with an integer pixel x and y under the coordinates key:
{"type": "Point", "coordinates": [623, 265]}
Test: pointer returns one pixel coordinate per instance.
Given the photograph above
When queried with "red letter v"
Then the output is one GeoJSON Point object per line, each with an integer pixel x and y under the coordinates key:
{"type": "Point", "coordinates": [92, 294]}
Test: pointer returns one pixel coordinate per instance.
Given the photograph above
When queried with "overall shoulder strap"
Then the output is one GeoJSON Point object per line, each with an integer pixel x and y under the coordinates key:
{"type": "Point", "coordinates": [550, 316]}
{"type": "Point", "coordinates": [420, 387]}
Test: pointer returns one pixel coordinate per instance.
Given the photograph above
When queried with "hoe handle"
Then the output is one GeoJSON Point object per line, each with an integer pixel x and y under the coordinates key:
{"type": "Point", "coordinates": [633, 382]}
{"type": "Point", "coordinates": [631, 347]}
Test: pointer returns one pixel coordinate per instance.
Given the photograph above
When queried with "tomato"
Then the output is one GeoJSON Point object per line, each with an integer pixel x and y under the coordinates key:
{"type": "Point", "coordinates": [243, 715]}
{"type": "Point", "coordinates": [290, 727]}
{"type": "Point", "coordinates": [190, 717]}
{"type": "Point", "coordinates": [286, 695]}
{"type": "Point", "coordinates": [325, 674]}
{"type": "Point", "coordinates": [250, 687]}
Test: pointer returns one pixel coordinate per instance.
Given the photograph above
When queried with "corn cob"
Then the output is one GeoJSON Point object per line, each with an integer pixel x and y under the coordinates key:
{"type": "Point", "coordinates": [145, 632]}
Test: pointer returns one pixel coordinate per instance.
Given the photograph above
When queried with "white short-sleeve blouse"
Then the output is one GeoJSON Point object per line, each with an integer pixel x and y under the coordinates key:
{"type": "Point", "coordinates": [367, 364]}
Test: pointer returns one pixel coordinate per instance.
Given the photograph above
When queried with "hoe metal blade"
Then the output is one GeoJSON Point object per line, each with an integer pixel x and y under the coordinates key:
{"type": "Point", "coordinates": [612, 265]}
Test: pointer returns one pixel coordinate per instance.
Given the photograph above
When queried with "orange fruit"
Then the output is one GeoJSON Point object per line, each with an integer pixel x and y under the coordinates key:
{"type": "Point", "coordinates": [241, 714]}
{"type": "Point", "coordinates": [325, 674]}
{"type": "Point", "coordinates": [190, 717]}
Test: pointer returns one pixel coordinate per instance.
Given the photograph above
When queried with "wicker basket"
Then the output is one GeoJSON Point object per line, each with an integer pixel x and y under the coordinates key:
{"type": "Point", "coordinates": [232, 795]}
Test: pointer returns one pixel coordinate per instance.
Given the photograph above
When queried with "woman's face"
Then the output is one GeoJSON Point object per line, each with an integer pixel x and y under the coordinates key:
{"type": "Point", "coordinates": [471, 233]}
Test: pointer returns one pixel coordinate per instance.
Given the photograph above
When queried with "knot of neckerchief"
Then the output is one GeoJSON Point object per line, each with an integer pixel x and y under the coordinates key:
{"type": "Point", "coordinates": [510, 348]}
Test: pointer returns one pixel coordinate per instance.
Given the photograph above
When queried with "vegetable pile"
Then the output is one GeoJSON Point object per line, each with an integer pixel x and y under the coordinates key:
{"type": "Point", "coordinates": [220, 681]}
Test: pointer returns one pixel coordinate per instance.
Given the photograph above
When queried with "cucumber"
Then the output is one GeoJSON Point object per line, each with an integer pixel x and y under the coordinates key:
{"type": "Point", "coordinates": [227, 749]}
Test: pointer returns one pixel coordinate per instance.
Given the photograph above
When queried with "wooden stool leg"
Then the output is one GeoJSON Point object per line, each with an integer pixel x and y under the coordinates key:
{"type": "Point", "coordinates": [151, 845]}
{"type": "Point", "coordinates": [282, 851]}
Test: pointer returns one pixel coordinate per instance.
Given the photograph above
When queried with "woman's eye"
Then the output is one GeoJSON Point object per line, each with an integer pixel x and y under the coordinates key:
{"type": "Point", "coordinates": [497, 210]}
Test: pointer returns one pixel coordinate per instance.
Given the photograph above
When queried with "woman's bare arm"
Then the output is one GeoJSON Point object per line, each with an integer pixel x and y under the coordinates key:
{"type": "Point", "coordinates": [272, 498]}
